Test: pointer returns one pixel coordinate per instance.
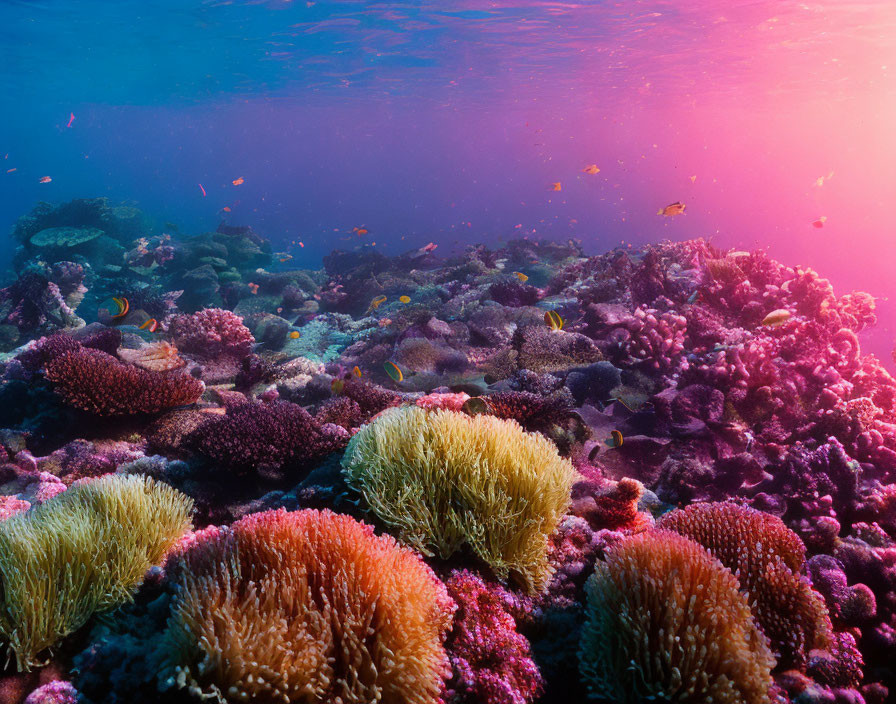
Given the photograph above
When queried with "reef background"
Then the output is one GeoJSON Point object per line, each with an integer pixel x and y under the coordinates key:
{"type": "Point", "coordinates": [416, 120]}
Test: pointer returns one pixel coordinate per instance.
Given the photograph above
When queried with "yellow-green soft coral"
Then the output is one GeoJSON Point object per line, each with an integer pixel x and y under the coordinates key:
{"type": "Point", "coordinates": [81, 552]}
{"type": "Point", "coordinates": [445, 479]}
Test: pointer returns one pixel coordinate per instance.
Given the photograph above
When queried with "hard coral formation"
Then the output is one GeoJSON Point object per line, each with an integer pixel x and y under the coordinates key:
{"type": "Point", "coordinates": [306, 606]}
{"type": "Point", "coordinates": [211, 333]}
{"type": "Point", "coordinates": [81, 552]}
{"type": "Point", "coordinates": [444, 480]}
{"type": "Point", "coordinates": [94, 381]}
{"type": "Point", "coordinates": [265, 435]}
{"type": "Point", "coordinates": [665, 620]}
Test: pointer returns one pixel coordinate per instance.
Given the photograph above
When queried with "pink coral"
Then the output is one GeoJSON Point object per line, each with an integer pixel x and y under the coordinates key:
{"type": "Point", "coordinates": [448, 401]}
{"type": "Point", "coordinates": [491, 661]}
{"type": "Point", "coordinates": [211, 333]}
{"type": "Point", "coordinates": [55, 692]}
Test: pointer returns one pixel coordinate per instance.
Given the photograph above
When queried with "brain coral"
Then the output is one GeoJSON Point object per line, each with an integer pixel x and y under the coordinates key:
{"type": "Point", "coordinates": [308, 606]}
{"type": "Point", "coordinates": [665, 621]}
{"type": "Point", "coordinates": [445, 479]}
{"type": "Point", "coordinates": [767, 558]}
{"type": "Point", "coordinates": [80, 552]}
{"type": "Point", "coordinates": [97, 382]}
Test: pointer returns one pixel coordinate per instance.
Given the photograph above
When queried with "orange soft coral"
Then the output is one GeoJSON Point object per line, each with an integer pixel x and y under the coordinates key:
{"type": "Point", "coordinates": [307, 606]}
{"type": "Point", "coordinates": [767, 558]}
{"type": "Point", "coordinates": [665, 621]}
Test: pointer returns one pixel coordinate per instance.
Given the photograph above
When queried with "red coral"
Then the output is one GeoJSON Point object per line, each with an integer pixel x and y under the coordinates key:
{"type": "Point", "coordinates": [97, 382]}
{"type": "Point", "coordinates": [610, 508]}
{"type": "Point", "coordinates": [211, 333]}
{"type": "Point", "coordinates": [490, 659]}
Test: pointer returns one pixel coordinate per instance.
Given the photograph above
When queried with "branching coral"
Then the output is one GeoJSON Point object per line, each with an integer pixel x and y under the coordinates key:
{"type": "Point", "coordinates": [306, 606]}
{"type": "Point", "coordinates": [97, 382]}
{"type": "Point", "coordinates": [80, 552]}
{"type": "Point", "coordinates": [490, 659]}
{"type": "Point", "coordinates": [665, 620]}
{"type": "Point", "coordinates": [211, 333]}
{"type": "Point", "coordinates": [445, 479]}
{"type": "Point", "coordinates": [767, 558]}
{"type": "Point", "coordinates": [271, 435]}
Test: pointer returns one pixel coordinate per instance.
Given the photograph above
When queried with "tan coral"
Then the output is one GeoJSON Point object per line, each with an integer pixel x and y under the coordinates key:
{"type": "Point", "coordinates": [159, 356]}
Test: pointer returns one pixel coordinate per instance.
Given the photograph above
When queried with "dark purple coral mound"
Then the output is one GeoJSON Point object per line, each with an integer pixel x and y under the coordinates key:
{"type": "Point", "coordinates": [258, 435]}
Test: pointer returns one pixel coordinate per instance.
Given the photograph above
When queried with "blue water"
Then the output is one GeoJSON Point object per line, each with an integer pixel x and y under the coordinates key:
{"type": "Point", "coordinates": [448, 121]}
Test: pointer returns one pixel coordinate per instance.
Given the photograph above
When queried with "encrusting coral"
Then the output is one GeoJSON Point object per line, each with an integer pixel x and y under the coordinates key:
{"type": "Point", "coordinates": [80, 552]}
{"type": "Point", "coordinates": [308, 606]}
{"type": "Point", "coordinates": [444, 479]}
{"type": "Point", "coordinates": [767, 558]}
{"type": "Point", "coordinates": [666, 621]}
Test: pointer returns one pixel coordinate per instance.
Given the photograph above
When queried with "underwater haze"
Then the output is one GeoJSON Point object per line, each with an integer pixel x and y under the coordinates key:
{"type": "Point", "coordinates": [442, 121]}
{"type": "Point", "coordinates": [447, 352]}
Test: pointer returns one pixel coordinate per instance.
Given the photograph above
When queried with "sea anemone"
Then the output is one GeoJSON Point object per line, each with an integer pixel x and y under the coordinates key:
{"type": "Point", "coordinates": [665, 620]}
{"type": "Point", "coordinates": [80, 552]}
{"type": "Point", "coordinates": [306, 606]}
{"type": "Point", "coordinates": [445, 479]}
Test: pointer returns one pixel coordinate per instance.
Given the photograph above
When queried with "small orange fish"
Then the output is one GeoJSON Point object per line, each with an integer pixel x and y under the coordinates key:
{"type": "Point", "coordinates": [152, 325]}
{"type": "Point", "coordinates": [377, 302]}
{"type": "Point", "coordinates": [357, 371]}
{"type": "Point", "coordinates": [9, 171]}
{"type": "Point", "coordinates": [360, 231]}
{"type": "Point", "coordinates": [204, 194]}
{"type": "Point", "coordinates": [253, 288]}
{"type": "Point", "coordinates": [521, 276]}
{"type": "Point", "coordinates": [239, 181]}
{"type": "Point", "coordinates": [591, 169]}
{"type": "Point", "coordinates": [123, 307]}
{"type": "Point", "coordinates": [226, 209]}
{"type": "Point", "coordinates": [820, 222]}
{"type": "Point", "coordinates": [302, 245]}
{"type": "Point", "coordinates": [693, 179]}
{"type": "Point", "coordinates": [44, 179]}
{"type": "Point", "coordinates": [429, 247]}
{"type": "Point", "coordinates": [556, 186]}
{"type": "Point", "coordinates": [404, 299]}
{"type": "Point", "coordinates": [295, 335]}
{"type": "Point", "coordinates": [671, 210]}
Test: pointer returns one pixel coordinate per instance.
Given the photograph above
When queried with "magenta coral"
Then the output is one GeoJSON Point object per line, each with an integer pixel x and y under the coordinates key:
{"type": "Point", "coordinates": [211, 333]}
{"type": "Point", "coordinates": [490, 660]}
{"type": "Point", "coordinates": [94, 381]}
{"type": "Point", "coordinates": [265, 435]}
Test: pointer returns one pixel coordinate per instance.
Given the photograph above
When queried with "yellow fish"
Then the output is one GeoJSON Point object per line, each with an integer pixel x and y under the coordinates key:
{"type": "Point", "coordinates": [152, 325]}
{"type": "Point", "coordinates": [776, 318]}
{"type": "Point", "coordinates": [337, 386]}
{"type": "Point", "coordinates": [615, 439]}
{"type": "Point", "coordinates": [404, 299]}
{"type": "Point", "coordinates": [394, 372]}
{"type": "Point", "coordinates": [553, 320]}
{"type": "Point", "coordinates": [521, 276]}
{"type": "Point", "coordinates": [591, 169]}
{"type": "Point", "coordinates": [671, 210]}
{"type": "Point", "coordinates": [295, 335]}
{"type": "Point", "coordinates": [357, 371]}
{"type": "Point", "coordinates": [377, 302]}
